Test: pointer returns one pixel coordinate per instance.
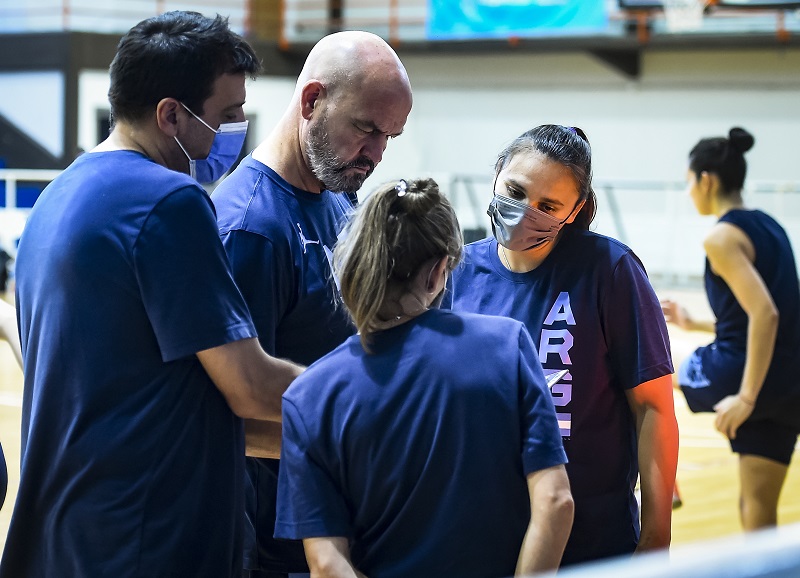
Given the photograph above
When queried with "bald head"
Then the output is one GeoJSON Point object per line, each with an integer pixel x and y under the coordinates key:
{"type": "Point", "coordinates": [352, 97]}
{"type": "Point", "coordinates": [354, 60]}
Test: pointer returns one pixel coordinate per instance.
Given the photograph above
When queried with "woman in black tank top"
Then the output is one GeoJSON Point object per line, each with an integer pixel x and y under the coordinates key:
{"type": "Point", "coordinates": [748, 375]}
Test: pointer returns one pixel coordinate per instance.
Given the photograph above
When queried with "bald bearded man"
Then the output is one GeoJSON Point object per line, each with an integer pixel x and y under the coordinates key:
{"type": "Point", "coordinates": [279, 215]}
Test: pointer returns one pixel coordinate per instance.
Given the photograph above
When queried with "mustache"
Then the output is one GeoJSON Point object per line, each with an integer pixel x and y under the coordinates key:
{"type": "Point", "coordinates": [360, 162]}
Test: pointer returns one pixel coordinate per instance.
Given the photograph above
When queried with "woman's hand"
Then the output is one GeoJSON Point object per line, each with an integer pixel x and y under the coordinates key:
{"type": "Point", "coordinates": [676, 314]}
{"type": "Point", "coordinates": [732, 411]}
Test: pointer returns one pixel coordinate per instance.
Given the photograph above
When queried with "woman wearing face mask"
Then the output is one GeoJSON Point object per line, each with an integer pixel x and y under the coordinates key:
{"type": "Point", "coordinates": [590, 309]}
{"type": "Point", "coordinates": [749, 374]}
{"type": "Point", "coordinates": [404, 452]}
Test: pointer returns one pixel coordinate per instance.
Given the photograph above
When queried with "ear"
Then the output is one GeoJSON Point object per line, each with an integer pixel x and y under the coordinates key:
{"type": "Point", "coordinates": [436, 277]}
{"type": "Point", "coordinates": [167, 116]}
{"type": "Point", "coordinates": [709, 182]}
{"type": "Point", "coordinates": [310, 94]}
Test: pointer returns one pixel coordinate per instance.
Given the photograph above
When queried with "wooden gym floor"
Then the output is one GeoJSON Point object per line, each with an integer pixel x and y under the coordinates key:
{"type": "Point", "coordinates": [707, 470]}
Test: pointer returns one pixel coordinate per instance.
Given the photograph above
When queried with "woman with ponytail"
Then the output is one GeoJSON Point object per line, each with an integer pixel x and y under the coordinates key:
{"type": "Point", "coordinates": [589, 306]}
{"type": "Point", "coordinates": [428, 444]}
{"type": "Point", "coordinates": [750, 374]}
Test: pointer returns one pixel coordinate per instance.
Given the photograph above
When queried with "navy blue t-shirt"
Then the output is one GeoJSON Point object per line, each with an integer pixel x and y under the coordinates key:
{"type": "Point", "coordinates": [418, 453]}
{"type": "Point", "coordinates": [132, 461]}
{"type": "Point", "coordinates": [279, 240]}
{"type": "Point", "coordinates": [3, 477]}
{"type": "Point", "coordinates": [591, 310]}
{"type": "Point", "coordinates": [723, 360]}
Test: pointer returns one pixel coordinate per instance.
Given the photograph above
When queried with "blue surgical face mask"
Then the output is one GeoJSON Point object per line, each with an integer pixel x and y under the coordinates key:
{"type": "Point", "coordinates": [519, 227]}
{"type": "Point", "coordinates": [225, 149]}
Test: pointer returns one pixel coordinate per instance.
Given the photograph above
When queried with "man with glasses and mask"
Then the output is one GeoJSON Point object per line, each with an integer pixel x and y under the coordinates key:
{"type": "Point", "coordinates": [279, 216]}
{"type": "Point", "coordinates": [140, 355]}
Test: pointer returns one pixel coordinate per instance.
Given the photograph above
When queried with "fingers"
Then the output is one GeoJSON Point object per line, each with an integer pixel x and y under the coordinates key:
{"type": "Point", "coordinates": [725, 426]}
{"type": "Point", "coordinates": [668, 308]}
{"type": "Point", "coordinates": [731, 413]}
{"type": "Point", "coordinates": [673, 313]}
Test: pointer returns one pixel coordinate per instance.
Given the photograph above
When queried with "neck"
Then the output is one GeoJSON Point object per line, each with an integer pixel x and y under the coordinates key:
{"type": "Point", "coordinates": [725, 204]}
{"type": "Point", "coordinates": [129, 137]}
{"type": "Point", "coordinates": [283, 153]}
{"type": "Point", "coordinates": [122, 138]}
{"type": "Point", "coordinates": [399, 307]}
{"type": "Point", "coordinates": [525, 261]}
{"type": "Point", "coordinates": [381, 324]}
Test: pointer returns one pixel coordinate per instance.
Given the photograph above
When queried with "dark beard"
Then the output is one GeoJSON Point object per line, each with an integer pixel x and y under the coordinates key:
{"type": "Point", "coordinates": [328, 167]}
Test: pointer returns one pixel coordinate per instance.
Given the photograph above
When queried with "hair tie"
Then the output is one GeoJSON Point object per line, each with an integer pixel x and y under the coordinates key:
{"type": "Point", "coordinates": [401, 187]}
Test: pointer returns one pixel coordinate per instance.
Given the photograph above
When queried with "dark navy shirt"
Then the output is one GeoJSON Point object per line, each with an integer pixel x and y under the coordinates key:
{"type": "Point", "coordinates": [132, 461]}
{"type": "Point", "coordinates": [591, 310]}
{"type": "Point", "coordinates": [418, 452]}
{"type": "Point", "coordinates": [279, 240]}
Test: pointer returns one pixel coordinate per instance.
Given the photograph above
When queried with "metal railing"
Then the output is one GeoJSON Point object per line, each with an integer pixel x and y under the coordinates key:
{"type": "Point", "coordinates": [306, 21]}
{"type": "Point", "coordinates": [655, 218]}
{"type": "Point", "coordinates": [10, 179]}
{"type": "Point", "coordinates": [111, 16]}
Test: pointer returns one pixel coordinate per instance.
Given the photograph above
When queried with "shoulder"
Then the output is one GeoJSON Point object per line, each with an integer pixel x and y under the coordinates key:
{"type": "Point", "coordinates": [583, 240]}
{"type": "Point", "coordinates": [478, 247]}
{"type": "Point", "coordinates": [753, 222]}
{"type": "Point", "coordinates": [475, 254]}
{"type": "Point", "coordinates": [600, 253]}
{"type": "Point", "coordinates": [141, 171]}
{"type": "Point", "coordinates": [326, 374]}
{"type": "Point", "coordinates": [184, 197]}
{"type": "Point", "coordinates": [137, 174]}
{"type": "Point", "coordinates": [252, 198]}
{"type": "Point", "coordinates": [486, 329]}
{"type": "Point", "coordinates": [725, 235]}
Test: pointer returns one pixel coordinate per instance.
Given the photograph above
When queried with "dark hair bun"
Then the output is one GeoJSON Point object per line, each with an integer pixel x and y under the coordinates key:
{"type": "Point", "coordinates": [420, 197]}
{"type": "Point", "coordinates": [740, 139]}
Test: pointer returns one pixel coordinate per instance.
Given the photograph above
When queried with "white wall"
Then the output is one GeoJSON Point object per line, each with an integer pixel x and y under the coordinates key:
{"type": "Point", "coordinates": [34, 103]}
{"type": "Point", "coordinates": [467, 108]}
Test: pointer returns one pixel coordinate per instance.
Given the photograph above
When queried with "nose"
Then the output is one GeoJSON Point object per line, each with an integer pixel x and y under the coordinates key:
{"type": "Point", "coordinates": [375, 146]}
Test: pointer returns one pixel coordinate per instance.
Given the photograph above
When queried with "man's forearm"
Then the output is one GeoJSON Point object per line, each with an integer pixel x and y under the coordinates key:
{"type": "Point", "coordinates": [262, 438]}
{"type": "Point", "coordinates": [329, 558]}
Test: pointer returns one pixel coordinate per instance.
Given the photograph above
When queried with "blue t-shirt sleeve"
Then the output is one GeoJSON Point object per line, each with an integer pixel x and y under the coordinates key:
{"type": "Point", "coordinates": [262, 276]}
{"type": "Point", "coordinates": [185, 281]}
{"type": "Point", "coordinates": [636, 332]}
{"type": "Point", "coordinates": [541, 438]}
{"type": "Point", "coordinates": [310, 504]}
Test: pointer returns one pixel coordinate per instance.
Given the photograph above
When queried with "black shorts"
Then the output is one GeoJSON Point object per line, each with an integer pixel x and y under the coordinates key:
{"type": "Point", "coordinates": [766, 439]}
{"type": "Point", "coordinates": [769, 436]}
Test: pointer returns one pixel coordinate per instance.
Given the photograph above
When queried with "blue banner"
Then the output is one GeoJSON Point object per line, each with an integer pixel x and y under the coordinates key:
{"type": "Point", "coordinates": [464, 19]}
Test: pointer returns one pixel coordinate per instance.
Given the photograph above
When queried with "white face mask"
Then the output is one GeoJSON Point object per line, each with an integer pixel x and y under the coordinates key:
{"type": "Point", "coordinates": [228, 142]}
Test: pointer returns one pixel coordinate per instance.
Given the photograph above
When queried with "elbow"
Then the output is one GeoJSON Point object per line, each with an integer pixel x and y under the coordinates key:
{"type": "Point", "coordinates": [561, 507]}
{"type": "Point", "coordinates": [765, 320]}
{"type": "Point", "coordinates": [565, 506]}
{"type": "Point", "coordinates": [773, 316]}
{"type": "Point", "coordinates": [321, 569]}
{"type": "Point", "coordinates": [767, 313]}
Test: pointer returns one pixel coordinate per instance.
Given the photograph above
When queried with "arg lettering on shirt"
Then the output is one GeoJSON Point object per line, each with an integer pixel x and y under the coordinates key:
{"type": "Point", "coordinates": [554, 346]}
